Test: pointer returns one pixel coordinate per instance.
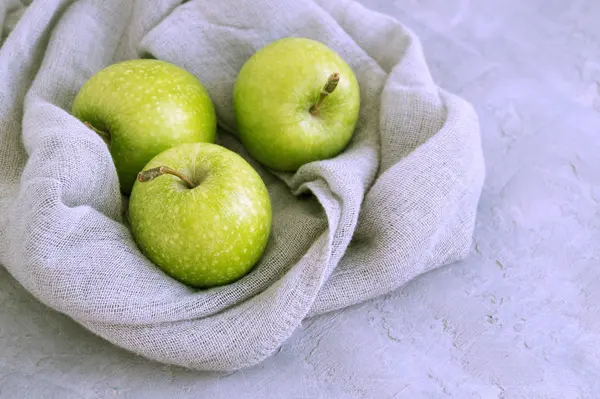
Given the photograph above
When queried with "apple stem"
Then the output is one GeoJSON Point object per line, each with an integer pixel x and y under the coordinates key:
{"type": "Point", "coordinates": [104, 135]}
{"type": "Point", "coordinates": [151, 174]}
{"type": "Point", "coordinates": [332, 82]}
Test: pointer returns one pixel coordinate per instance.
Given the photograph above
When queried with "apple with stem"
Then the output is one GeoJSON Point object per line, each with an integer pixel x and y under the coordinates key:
{"type": "Point", "coordinates": [141, 108]}
{"type": "Point", "coordinates": [296, 101]}
{"type": "Point", "coordinates": [201, 213]}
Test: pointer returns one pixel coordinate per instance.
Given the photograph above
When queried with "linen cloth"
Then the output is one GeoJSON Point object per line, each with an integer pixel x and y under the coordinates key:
{"type": "Point", "coordinates": [401, 200]}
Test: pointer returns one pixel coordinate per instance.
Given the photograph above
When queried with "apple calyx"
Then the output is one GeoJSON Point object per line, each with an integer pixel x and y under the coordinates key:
{"type": "Point", "coordinates": [151, 174]}
{"type": "Point", "coordinates": [332, 82]}
{"type": "Point", "coordinates": [103, 135]}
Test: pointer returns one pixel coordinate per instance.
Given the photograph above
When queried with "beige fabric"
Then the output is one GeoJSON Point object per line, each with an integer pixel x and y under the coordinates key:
{"type": "Point", "coordinates": [400, 201]}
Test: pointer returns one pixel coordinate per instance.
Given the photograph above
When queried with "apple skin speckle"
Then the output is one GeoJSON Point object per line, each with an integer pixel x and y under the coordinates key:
{"type": "Point", "coordinates": [146, 106]}
{"type": "Point", "coordinates": [204, 236]}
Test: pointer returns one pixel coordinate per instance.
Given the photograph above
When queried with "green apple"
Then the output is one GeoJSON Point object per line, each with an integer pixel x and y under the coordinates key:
{"type": "Point", "coordinates": [296, 101]}
{"type": "Point", "coordinates": [201, 213]}
{"type": "Point", "coordinates": [142, 107]}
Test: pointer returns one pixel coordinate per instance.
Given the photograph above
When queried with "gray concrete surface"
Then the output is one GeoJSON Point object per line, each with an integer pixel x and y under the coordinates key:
{"type": "Point", "coordinates": [519, 319]}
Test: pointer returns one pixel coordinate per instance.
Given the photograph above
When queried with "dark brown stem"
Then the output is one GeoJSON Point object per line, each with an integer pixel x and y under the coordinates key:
{"type": "Point", "coordinates": [332, 82]}
{"type": "Point", "coordinates": [151, 174]}
{"type": "Point", "coordinates": [104, 135]}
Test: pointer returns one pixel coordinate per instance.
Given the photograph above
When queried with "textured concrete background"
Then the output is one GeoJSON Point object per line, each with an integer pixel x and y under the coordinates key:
{"type": "Point", "coordinates": [519, 319]}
